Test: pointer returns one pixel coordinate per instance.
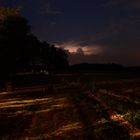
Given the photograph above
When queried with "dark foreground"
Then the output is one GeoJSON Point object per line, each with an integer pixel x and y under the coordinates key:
{"type": "Point", "coordinates": [77, 107]}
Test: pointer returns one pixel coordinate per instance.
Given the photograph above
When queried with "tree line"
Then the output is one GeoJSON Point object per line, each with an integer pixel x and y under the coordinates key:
{"type": "Point", "coordinates": [22, 51]}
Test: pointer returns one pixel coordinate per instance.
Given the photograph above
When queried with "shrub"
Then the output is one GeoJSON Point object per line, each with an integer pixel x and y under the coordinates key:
{"type": "Point", "coordinates": [110, 130]}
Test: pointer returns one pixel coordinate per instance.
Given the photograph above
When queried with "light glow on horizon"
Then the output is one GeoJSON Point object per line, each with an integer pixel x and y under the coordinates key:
{"type": "Point", "coordinates": [77, 48]}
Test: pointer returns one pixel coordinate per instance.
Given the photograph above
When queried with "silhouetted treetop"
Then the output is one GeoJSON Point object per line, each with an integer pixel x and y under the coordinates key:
{"type": "Point", "coordinates": [12, 24]}
{"type": "Point", "coordinates": [22, 51]}
{"type": "Point", "coordinates": [9, 12]}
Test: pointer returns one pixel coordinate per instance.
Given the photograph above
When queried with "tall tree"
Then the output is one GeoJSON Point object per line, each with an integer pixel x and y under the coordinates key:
{"type": "Point", "coordinates": [13, 33]}
{"type": "Point", "coordinates": [20, 50]}
{"type": "Point", "coordinates": [53, 59]}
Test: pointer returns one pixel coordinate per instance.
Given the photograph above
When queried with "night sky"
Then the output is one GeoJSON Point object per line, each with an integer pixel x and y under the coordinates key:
{"type": "Point", "coordinates": [93, 31]}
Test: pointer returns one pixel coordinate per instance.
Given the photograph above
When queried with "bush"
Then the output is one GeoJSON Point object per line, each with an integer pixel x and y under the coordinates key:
{"type": "Point", "coordinates": [110, 130]}
{"type": "Point", "coordinates": [134, 118]}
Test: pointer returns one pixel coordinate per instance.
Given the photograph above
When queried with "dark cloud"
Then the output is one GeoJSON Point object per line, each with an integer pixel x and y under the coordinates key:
{"type": "Point", "coordinates": [121, 3]}
{"type": "Point", "coordinates": [48, 9]}
{"type": "Point", "coordinates": [95, 31]}
{"type": "Point", "coordinates": [108, 55]}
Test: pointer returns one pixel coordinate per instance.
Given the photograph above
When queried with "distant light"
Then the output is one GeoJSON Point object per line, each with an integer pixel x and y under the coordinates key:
{"type": "Point", "coordinates": [77, 48]}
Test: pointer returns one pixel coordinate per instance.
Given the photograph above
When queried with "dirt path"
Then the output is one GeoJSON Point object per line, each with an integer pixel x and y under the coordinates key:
{"type": "Point", "coordinates": [62, 114]}
{"type": "Point", "coordinates": [31, 114]}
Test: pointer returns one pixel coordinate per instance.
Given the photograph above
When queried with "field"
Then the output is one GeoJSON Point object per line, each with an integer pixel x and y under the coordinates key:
{"type": "Point", "coordinates": [100, 106]}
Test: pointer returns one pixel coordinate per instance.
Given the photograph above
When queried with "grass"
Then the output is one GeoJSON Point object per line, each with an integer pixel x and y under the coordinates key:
{"type": "Point", "coordinates": [62, 109]}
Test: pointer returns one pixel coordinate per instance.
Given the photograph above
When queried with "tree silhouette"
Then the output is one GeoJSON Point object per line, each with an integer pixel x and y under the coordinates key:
{"type": "Point", "coordinates": [53, 59]}
{"type": "Point", "coordinates": [14, 31]}
{"type": "Point", "coordinates": [22, 51]}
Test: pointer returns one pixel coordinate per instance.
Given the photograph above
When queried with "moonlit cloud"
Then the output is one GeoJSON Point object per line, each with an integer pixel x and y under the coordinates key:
{"type": "Point", "coordinates": [103, 53]}
{"type": "Point", "coordinates": [77, 47]}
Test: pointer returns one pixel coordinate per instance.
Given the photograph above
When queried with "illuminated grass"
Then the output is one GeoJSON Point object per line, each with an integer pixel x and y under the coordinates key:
{"type": "Point", "coordinates": [64, 112]}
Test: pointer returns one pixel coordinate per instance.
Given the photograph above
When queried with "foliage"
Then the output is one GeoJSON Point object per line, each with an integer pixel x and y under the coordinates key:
{"type": "Point", "coordinates": [134, 118]}
{"type": "Point", "coordinates": [21, 51]}
{"type": "Point", "coordinates": [112, 131]}
{"type": "Point", "coordinates": [8, 12]}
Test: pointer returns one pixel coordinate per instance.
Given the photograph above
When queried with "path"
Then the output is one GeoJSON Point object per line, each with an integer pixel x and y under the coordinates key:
{"type": "Point", "coordinates": [61, 114]}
